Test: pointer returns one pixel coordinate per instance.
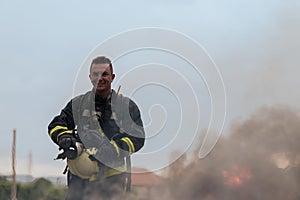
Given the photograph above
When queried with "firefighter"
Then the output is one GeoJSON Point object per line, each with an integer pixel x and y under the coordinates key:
{"type": "Point", "coordinates": [98, 131]}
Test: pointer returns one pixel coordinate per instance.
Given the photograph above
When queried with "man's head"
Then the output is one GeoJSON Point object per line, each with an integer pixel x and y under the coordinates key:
{"type": "Point", "coordinates": [101, 75]}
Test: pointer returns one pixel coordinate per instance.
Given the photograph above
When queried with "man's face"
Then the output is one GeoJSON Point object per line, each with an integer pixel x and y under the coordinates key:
{"type": "Point", "coordinates": [101, 78]}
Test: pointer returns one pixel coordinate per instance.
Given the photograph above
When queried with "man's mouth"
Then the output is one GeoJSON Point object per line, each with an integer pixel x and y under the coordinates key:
{"type": "Point", "coordinates": [101, 84]}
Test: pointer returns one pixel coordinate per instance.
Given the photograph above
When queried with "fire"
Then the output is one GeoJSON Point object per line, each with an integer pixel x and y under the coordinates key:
{"type": "Point", "coordinates": [236, 176]}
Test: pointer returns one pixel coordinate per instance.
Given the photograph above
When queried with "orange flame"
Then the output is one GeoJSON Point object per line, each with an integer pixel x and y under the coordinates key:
{"type": "Point", "coordinates": [236, 176]}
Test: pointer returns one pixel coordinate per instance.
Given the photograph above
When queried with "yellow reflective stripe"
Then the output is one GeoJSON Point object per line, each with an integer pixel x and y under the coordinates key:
{"type": "Point", "coordinates": [68, 131]}
{"type": "Point", "coordinates": [94, 177]}
{"type": "Point", "coordinates": [115, 171]}
{"type": "Point", "coordinates": [57, 128]}
{"type": "Point", "coordinates": [129, 143]}
{"type": "Point", "coordinates": [116, 147]}
{"type": "Point", "coordinates": [101, 132]}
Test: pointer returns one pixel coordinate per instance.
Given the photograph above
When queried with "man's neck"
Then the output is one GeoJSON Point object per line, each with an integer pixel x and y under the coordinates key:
{"type": "Point", "coordinates": [103, 94]}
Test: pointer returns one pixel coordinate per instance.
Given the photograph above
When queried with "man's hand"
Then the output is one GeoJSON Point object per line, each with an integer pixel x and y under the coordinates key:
{"type": "Point", "coordinates": [66, 142]}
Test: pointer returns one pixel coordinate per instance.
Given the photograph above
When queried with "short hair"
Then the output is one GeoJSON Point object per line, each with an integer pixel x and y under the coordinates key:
{"type": "Point", "coordinates": [102, 60]}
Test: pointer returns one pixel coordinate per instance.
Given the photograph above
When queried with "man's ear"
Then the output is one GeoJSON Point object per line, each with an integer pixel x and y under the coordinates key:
{"type": "Point", "coordinates": [113, 77]}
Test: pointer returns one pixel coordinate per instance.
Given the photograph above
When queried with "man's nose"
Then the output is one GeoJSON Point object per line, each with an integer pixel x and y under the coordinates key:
{"type": "Point", "coordinates": [99, 76]}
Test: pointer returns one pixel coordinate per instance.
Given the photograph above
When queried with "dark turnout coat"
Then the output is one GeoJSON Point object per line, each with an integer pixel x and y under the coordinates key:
{"type": "Point", "coordinates": [116, 119]}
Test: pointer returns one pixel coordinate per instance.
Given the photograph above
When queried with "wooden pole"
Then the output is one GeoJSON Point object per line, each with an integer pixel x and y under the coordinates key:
{"type": "Point", "coordinates": [30, 164]}
{"type": "Point", "coordinates": [13, 186]}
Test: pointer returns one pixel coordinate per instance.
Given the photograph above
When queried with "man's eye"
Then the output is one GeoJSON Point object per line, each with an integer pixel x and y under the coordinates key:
{"type": "Point", "coordinates": [95, 74]}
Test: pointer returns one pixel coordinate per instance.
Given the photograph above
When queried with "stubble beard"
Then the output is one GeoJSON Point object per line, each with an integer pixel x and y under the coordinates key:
{"type": "Point", "coordinates": [103, 91]}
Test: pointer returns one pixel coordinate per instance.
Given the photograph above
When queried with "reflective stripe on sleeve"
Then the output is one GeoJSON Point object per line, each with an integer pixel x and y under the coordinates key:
{"type": "Point", "coordinates": [57, 128]}
{"type": "Point", "coordinates": [129, 143]}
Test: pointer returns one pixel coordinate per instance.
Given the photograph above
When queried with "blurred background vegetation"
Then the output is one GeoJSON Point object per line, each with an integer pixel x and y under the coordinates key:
{"type": "Point", "coordinates": [39, 189]}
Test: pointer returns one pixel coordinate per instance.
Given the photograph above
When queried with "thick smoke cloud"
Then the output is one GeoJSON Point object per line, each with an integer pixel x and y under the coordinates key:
{"type": "Point", "coordinates": [259, 159]}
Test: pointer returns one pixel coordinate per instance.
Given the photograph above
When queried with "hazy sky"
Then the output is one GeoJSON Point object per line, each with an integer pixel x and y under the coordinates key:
{"type": "Point", "coordinates": [255, 45]}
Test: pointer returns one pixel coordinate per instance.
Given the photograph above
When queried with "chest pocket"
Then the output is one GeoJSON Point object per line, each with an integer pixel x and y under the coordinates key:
{"type": "Point", "coordinates": [88, 120]}
{"type": "Point", "coordinates": [111, 118]}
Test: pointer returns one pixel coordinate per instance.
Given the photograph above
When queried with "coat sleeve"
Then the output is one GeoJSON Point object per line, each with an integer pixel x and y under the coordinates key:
{"type": "Point", "coordinates": [131, 131]}
{"type": "Point", "coordinates": [62, 124]}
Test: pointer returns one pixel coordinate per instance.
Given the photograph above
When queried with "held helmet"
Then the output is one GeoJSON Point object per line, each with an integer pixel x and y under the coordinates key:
{"type": "Point", "coordinates": [83, 166]}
